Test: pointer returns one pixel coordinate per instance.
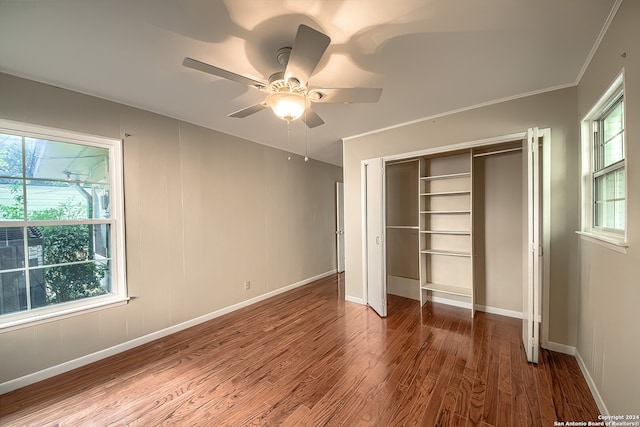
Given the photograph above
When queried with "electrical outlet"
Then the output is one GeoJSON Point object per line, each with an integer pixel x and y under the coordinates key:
{"type": "Point", "coordinates": [247, 285]}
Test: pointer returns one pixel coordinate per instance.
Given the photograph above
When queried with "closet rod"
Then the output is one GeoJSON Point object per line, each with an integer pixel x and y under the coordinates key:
{"type": "Point", "coordinates": [490, 153]}
{"type": "Point", "coordinates": [397, 162]}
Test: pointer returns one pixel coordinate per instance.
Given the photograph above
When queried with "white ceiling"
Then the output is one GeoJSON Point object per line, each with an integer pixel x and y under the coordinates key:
{"type": "Point", "coordinates": [428, 56]}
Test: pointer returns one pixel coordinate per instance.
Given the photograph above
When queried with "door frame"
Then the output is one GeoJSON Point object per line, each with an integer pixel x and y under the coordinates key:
{"type": "Point", "coordinates": [545, 133]}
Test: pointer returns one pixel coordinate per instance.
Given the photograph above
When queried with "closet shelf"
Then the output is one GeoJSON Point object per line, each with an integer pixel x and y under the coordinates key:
{"type": "Point", "coordinates": [448, 289]}
{"type": "Point", "coordinates": [453, 233]}
{"type": "Point", "coordinates": [446, 253]}
{"type": "Point", "coordinates": [446, 193]}
{"type": "Point", "coordinates": [447, 176]}
{"type": "Point", "coordinates": [403, 227]}
{"type": "Point", "coordinates": [446, 212]}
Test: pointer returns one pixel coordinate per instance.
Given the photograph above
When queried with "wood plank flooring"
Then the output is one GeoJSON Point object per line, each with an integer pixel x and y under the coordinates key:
{"type": "Point", "coordinates": [308, 358]}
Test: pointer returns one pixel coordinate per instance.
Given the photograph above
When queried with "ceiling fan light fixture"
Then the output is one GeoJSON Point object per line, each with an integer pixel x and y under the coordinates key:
{"type": "Point", "coordinates": [287, 105]}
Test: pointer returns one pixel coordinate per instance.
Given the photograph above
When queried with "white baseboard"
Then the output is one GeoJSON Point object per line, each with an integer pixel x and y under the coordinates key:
{"type": "Point", "coordinates": [102, 354]}
{"type": "Point", "coordinates": [484, 308]}
{"type": "Point", "coordinates": [500, 311]}
{"type": "Point", "coordinates": [447, 301]}
{"type": "Point", "coordinates": [355, 300]}
{"type": "Point", "coordinates": [592, 385]}
{"type": "Point", "coordinates": [561, 348]}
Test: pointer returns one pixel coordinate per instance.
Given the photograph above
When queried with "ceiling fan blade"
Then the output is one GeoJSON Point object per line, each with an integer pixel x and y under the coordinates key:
{"type": "Point", "coordinates": [308, 48]}
{"type": "Point", "coordinates": [248, 111]}
{"type": "Point", "coordinates": [311, 118]}
{"type": "Point", "coordinates": [210, 69]}
{"type": "Point", "coordinates": [346, 95]}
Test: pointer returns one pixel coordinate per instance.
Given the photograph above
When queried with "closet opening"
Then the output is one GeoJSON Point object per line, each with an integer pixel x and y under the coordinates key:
{"type": "Point", "coordinates": [458, 225]}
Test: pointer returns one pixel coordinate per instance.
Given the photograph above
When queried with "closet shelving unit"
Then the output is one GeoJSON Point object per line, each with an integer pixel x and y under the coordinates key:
{"type": "Point", "coordinates": [445, 222]}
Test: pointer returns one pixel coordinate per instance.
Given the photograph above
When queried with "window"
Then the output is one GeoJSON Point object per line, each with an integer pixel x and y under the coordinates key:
{"type": "Point", "coordinates": [604, 168]}
{"type": "Point", "coordinates": [61, 223]}
{"type": "Point", "coordinates": [609, 164]}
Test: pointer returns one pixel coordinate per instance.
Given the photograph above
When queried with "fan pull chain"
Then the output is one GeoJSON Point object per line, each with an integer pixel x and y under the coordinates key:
{"type": "Point", "coordinates": [306, 143]}
{"type": "Point", "coordinates": [289, 139]}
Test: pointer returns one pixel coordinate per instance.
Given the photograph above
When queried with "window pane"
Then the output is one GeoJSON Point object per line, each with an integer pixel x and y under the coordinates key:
{"type": "Point", "coordinates": [609, 215]}
{"type": "Point", "coordinates": [72, 282]}
{"type": "Point", "coordinates": [13, 292]}
{"type": "Point", "coordinates": [11, 199]}
{"type": "Point", "coordinates": [11, 248]}
{"type": "Point", "coordinates": [620, 184]}
{"type": "Point", "coordinates": [609, 198]}
{"type": "Point", "coordinates": [54, 200]}
{"type": "Point", "coordinates": [51, 160]}
{"type": "Point", "coordinates": [612, 123]}
{"type": "Point", "coordinates": [62, 244]}
{"type": "Point", "coordinates": [619, 215]}
{"type": "Point", "coordinates": [612, 151]}
{"type": "Point", "coordinates": [609, 186]}
{"type": "Point", "coordinates": [599, 214]}
{"type": "Point", "coordinates": [10, 156]}
{"type": "Point", "coordinates": [102, 241]}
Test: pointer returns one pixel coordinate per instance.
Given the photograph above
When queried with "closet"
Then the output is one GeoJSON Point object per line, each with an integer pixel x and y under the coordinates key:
{"type": "Point", "coordinates": [462, 226]}
{"type": "Point", "coordinates": [456, 226]}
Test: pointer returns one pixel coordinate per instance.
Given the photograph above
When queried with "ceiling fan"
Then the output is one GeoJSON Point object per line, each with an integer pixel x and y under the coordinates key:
{"type": "Point", "coordinates": [288, 94]}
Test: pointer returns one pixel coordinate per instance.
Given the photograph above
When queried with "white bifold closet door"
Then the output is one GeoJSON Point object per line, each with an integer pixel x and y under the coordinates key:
{"type": "Point", "coordinates": [531, 291]}
{"type": "Point", "coordinates": [375, 248]}
{"type": "Point", "coordinates": [340, 227]}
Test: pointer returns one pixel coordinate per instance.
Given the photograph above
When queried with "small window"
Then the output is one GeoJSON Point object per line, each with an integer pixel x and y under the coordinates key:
{"type": "Point", "coordinates": [61, 224]}
{"type": "Point", "coordinates": [604, 168]}
{"type": "Point", "coordinates": [609, 171]}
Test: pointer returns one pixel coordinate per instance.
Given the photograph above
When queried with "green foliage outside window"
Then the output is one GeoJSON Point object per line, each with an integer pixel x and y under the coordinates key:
{"type": "Point", "coordinates": [64, 244]}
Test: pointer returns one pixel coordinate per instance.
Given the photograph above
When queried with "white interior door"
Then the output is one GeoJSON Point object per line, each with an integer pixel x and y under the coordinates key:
{"type": "Point", "coordinates": [374, 218]}
{"type": "Point", "coordinates": [340, 226]}
{"type": "Point", "coordinates": [531, 291]}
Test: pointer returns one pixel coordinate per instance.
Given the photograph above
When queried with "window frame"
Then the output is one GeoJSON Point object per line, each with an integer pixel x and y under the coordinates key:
{"type": "Point", "coordinates": [592, 161]}
{"type": "Point", "coordinates": [118, 294]}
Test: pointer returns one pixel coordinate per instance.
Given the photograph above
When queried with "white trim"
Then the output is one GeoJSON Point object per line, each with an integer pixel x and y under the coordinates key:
{"type": "Point", "coordinates": [63, 311]}
{"type": "Point", "coordinates": [546, 233]}
{"type": "Point", "coordinates": [596, 45]}
{"type": "Point", "coordinates": [462, 110]}
{"type": "Point", "coordinates": [61, 135]}
{"type": "Point", "coordinates": [561, 348]}
{"type": "Point", "coordinates": [499, 311]}
{"type": "Point", "coordinates": [363, 226]}
{"type": "Point", "coordinates": [601, 240]}
{"type": "Point", "coordinates": [355, 300]}
{"type": "Point", "coordinates": [102, 354]}
{"type": "Point", "coordinates": [448, 301]}
{"type": "Point", "coordinates": [592, 385]}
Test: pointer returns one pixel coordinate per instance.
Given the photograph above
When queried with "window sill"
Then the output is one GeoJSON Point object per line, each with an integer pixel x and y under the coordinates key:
{"type": "Point", "coordinates": [612, 243]}
{"type": "Point", "coordinates": [62, 313]}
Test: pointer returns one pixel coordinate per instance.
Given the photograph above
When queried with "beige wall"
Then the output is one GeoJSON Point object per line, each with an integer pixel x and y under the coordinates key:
{"type": "Point", "coordinates": [499, 218]}
{"type": "Point", "coordinates": [205, 211]}
{"type": "Point", "coordinates": [402, 210]}
{"type": "Point", "coordinates": [555, 110]}
{"type": "Point", "coordinates": [609, 298]}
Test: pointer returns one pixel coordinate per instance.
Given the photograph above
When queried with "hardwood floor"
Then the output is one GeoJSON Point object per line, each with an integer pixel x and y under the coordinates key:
{"type": "Point", "coordinates": [308, 358]}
